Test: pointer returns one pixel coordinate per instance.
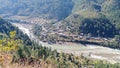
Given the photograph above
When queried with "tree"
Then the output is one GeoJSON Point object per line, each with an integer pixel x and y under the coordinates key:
{"type": "Point", "coordinates": [11, 43]}
{"type": "Point", "coordinates": [117, 38]}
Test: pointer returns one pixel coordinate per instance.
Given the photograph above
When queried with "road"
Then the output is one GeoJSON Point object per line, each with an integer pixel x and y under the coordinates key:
{"type": "Point", "coordinates": [90, 51]}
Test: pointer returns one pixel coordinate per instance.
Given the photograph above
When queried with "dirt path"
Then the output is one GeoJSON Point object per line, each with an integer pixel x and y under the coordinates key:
{"type": "Point", "coordinates": [90, 51]}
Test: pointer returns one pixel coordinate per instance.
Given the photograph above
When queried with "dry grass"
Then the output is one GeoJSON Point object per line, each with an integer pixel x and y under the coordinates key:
{"type": "Point", "coordinates": [88, 14]}
{"type": "Point", "coordinates": [5, 59]}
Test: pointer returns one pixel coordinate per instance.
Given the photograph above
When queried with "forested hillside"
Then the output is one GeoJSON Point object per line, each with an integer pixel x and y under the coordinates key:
{"type": "Point", "coordinates": [58, 9]}
{"type": "Point", "coordinates": [89, 19]}
{"type": "Point", "coordinates": [76, 21]}
{"type": "Point", "coordinates": [86, 15]}
{"type": "Point", "coordinates": [6, 28]}
{"type": "Point", "coordinates": [72, 13]}
{"type": "Point", "coordinates": [16, 54]}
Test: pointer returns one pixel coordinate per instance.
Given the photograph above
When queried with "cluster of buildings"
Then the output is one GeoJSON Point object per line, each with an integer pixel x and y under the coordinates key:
{"type": "Point", "coordinates": [67, 37]}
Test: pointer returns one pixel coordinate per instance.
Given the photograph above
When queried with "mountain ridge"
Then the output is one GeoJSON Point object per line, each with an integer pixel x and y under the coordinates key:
{"type": "Point", "coordinates": [69, 13]}
{"type": "Point", "coordinates": [48, 8]}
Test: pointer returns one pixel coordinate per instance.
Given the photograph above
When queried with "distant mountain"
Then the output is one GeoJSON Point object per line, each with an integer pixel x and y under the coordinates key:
{"type": "Point", "coordinates": [58, 9]}
{"type": "Point", "coordinates": [71, 14]}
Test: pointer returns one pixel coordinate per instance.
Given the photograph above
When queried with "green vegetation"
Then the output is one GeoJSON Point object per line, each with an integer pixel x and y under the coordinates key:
{"type": "Point", "coordinates": [112, 11]}
{"type": "Point", "coordinates": [51, 9]}
{"type": "Point", "coordinates": [10, 44]}
{"type": "Point", "coordinates": [100, 18]}
{"type": "Point", "coordinates": [103, 13]}
{"type": "Point", "coordinates": [72, 13]}
{"type": "Point", "coordinates": [36, 55]}
{"type": "Point", "coordinates": [98, 27]}
{"type": "Point", "coordinates": [6, 28]}
{"type": "Point", "coordinates": [113, 44]}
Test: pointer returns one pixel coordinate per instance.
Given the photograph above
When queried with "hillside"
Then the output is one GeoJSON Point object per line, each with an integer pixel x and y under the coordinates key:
{"type": "Point", "coordinates": [58, 21]}
{"type": "Point", "coordinates": [6, 28]}
{"type": "Point", "coordinates": [71, 13]}
{"type": "Point", "coordinates": [95, 11]}
{"type": "Point", "coordinates": [94, 21]}
{"type": "Point", "coordinates": [80, 30]}
{"type": "Point", "coordinates": [50, 9]}
{"type": "Point", "coordinates": [14, 53]}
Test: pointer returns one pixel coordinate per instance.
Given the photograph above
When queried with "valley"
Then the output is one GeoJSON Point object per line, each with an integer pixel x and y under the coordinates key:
{"type": "Point", "coordinates": [60, 33]}
{"type": "Point", "coordinates": [89, 51]}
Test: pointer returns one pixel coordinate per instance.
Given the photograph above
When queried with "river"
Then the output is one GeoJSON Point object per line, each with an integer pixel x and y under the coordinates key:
{"type": "Point", "coordinates": [90, 51]}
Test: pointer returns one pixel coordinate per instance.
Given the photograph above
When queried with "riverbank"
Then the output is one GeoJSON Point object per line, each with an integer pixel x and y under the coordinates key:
{"type": "Point", "coordinates": [89, 51]}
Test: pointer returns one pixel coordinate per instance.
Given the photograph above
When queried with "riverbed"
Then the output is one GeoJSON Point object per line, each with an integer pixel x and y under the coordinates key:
{"type": "Point", "coordinates": [89, 51]}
